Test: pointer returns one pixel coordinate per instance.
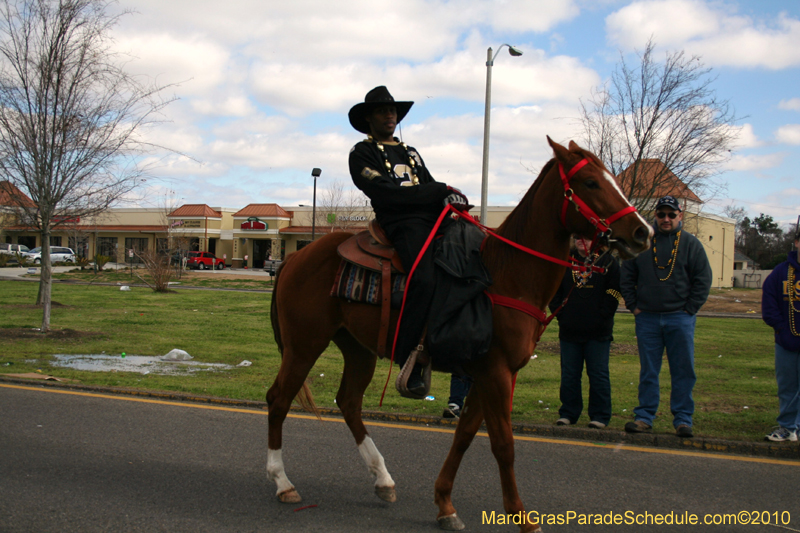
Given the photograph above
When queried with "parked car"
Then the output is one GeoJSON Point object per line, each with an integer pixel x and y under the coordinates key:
{"type": "Point", "coordinates": [271, 266]}
{"type": "Point", "coordinates": [58, 254]}
{"type": "Point", "coordinates": [203, 260]}
{"type": "Point", "coordinates": [11, 249]}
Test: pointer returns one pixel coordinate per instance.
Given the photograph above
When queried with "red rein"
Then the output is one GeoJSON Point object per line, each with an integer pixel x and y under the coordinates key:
{"type": "Point", "coordinates": [602, 226]}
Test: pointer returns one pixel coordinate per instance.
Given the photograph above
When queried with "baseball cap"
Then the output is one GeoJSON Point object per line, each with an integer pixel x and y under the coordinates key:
{"type": "Point", "coordinates": [669, 201]}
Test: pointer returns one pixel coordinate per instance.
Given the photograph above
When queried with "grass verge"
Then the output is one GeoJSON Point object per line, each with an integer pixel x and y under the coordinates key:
{"type": "Point", "coordinates": [735, 394]}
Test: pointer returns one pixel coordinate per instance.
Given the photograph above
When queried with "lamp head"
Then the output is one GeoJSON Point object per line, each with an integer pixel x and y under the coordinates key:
{"type": "Point", "coordinates": [316, 172]}
{"type": "Point", "coordinates": [516, 52]}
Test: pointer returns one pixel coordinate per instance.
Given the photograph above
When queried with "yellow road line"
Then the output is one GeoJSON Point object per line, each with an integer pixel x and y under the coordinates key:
{"type": "Point", "coordinates": [610, 446]}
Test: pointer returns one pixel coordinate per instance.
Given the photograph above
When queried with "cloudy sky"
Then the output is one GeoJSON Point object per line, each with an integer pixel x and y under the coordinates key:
{"type": "Point", "coordinates": [264, 87]}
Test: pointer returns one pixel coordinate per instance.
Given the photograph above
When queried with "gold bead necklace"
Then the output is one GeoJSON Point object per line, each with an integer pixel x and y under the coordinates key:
{"type": "Point", "coordinates": [792, 310]}
{"type": "Point", "coordinates": [672, 256]}
{"type": "Point", "coordinates": [389, 169]}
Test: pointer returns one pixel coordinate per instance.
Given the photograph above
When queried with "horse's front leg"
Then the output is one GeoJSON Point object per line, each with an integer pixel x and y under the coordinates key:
{"type": "Point", "coordinates": [495, 393]}
{"type": "Point", "coordinates": [468, 425]}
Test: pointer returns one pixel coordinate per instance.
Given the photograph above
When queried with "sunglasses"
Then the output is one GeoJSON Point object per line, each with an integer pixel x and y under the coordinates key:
{"type": "Point", "coordinates": [671, 215]}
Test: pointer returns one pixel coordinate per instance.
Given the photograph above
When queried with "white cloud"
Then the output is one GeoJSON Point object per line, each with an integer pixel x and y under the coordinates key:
{"type": "Point", "coordinates": [789, 134]}
{"type": "Point", "coordinates": [709, 30]}
{"type": "Point", "coordinates": [758, 162]}
{"type": "Point", "coordinates": [746, 137]}
{"type": "Point", "coordinates": [195, 63]}
{"type": "Point", "coordinates": [792, 104]}
{"type": "Point", "coordinates": [669, 21]}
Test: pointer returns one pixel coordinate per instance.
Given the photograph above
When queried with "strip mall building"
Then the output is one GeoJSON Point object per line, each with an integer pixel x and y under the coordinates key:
{"type": "Point", "coordinates": [247, 237]}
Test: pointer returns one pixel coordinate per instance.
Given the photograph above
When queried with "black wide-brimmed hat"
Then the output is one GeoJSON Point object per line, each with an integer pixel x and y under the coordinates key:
{"type": "Point", "coordinates": [376, 97]}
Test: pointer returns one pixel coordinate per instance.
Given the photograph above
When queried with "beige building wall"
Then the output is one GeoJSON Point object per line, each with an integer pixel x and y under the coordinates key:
{"type": "Point", "coordinates": [285, 236]}
{"type": "Point", "coordinates": [717, 234]}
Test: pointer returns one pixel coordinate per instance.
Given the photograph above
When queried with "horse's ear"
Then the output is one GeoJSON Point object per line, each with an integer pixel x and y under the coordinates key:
{"type": "Point", "coordinates": [559, 151]}
{"type": "Point", "coordinates": [573, 147]}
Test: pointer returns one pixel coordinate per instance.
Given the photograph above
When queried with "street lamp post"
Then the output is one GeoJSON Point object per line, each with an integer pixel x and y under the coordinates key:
{"type": "Point", "coordinates": [316, 172]}
{"type": "Point", "coordinates": [486, 117]}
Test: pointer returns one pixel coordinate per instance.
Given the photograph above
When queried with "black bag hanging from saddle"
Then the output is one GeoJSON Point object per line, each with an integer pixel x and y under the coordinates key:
{"type": "Point", "coordinates": [460, 318]}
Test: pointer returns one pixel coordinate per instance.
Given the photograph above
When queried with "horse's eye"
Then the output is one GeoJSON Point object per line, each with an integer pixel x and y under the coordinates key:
{"type": "Point", "coordinates": [591, 184]}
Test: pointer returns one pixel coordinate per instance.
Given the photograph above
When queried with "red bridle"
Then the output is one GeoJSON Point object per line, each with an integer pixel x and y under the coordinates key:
{"type": "Point", "coordinates": [603, 226]}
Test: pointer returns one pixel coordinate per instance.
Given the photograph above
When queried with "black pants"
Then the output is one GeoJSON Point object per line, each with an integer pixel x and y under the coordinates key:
{"type": "Point", "coordinates": [408, 238]}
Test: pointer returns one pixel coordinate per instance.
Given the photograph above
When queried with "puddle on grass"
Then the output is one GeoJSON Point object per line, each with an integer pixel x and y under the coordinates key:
{"type": "Point", "coordinates": [133, 363]}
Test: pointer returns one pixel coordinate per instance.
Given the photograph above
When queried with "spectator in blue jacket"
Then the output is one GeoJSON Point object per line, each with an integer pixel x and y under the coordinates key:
{"type": "Point", "coordinates": [780, 309]}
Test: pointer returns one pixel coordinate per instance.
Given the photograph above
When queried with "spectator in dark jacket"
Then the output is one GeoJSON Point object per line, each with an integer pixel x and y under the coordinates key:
{"type": "Point", "coordinates": [780, 309]}
{"type": "Point", "coordinates": [585, 326]}
{"type": "Point", "coordinates": [664, 288]}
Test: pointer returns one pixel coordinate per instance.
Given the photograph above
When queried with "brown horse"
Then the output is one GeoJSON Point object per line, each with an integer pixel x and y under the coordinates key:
{"type": "Point", "coordinates": [306, 318]}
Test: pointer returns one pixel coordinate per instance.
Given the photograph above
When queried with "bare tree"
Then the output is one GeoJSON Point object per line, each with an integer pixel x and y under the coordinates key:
{"type": "Point", "coordinates": [738, 213]}
{"type": "Point", "coordinates": [342, 209]}
{"type": "Point", "coordinates": [69, 114]}
{"type": "Point", "coordinates": [665, 112]}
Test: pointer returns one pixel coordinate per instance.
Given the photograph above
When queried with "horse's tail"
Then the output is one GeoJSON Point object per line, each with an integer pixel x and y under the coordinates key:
{"type": "Point", "coordinates": [304, 396]}
{"type": "Point", "coordinates": [273, 313]}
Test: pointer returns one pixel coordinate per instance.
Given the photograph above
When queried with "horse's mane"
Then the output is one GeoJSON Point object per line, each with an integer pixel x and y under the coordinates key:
{"type": "Point", "coordinates": [514, 225]}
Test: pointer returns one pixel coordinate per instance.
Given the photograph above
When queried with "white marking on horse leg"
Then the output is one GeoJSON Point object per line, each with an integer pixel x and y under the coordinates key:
{"type": "Point", "coordinates": [374, 460]}
{"type": "Point", "coordinates": [276, 472]}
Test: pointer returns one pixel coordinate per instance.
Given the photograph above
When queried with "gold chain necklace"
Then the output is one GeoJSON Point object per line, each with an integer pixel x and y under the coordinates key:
{"type": "Point", "coordinates": [389, 169]}
{"type": "Point", "coordinates": [672, 256]}
{"type": "Point", "coordinates": [792, 310]}
{"type": "Point", "coordinates": [581, 278]}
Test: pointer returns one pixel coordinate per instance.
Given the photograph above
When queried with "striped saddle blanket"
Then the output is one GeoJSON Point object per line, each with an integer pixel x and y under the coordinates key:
{"type": "Point", "coordinates": [358, 284]}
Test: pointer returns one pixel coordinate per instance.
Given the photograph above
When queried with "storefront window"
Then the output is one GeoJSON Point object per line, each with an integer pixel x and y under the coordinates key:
{"type": "Point", "coordinates": [137, 245]}
{"type": "Point", "coordinates": [107, 246]}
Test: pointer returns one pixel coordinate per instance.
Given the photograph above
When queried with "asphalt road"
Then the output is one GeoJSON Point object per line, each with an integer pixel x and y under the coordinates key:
{"type": "Point", "coordinates": [73, 461]}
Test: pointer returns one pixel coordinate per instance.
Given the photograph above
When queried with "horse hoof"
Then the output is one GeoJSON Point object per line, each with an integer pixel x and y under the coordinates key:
{"type": "Point", "coordinates": [290, 496]}
{"type": "Point", "coordinates": [386, 494]}
{"type": "Point", "coordinates": [451, 523]}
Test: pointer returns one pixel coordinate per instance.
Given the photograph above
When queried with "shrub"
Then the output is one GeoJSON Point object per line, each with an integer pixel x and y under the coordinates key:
{"type": "Point", "coordinates": [101, 260]}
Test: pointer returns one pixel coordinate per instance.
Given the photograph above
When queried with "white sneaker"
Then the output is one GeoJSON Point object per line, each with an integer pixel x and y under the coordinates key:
{"type": "Point", "coordinates": [563, 422]}
{"type": "Point", "coordinates": [594, 424]}
{"type": "Point", "coordinates": [780, 434]}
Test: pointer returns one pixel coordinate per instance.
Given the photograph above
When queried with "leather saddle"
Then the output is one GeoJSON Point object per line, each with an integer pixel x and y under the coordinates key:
{"type": "Point", "coordinates": [372, 250]}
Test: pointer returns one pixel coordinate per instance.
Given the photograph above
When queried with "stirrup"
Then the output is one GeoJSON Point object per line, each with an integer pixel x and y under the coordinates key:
{"type": "Point", "coordinates": [402, 379]}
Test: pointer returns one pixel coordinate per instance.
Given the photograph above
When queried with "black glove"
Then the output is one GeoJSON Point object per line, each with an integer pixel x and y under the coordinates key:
{"type": "Point", "coordinates": [457, 199]}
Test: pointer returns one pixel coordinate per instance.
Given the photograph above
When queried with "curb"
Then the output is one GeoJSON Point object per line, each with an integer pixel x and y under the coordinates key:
{"type": "Point", "coordinates": [771, 450]}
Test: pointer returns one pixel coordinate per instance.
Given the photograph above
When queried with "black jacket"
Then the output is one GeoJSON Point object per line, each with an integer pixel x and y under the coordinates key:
{"type": "Point", "coordinates": [589, 313]}
{"type": "Point", "coordinates": [686, 289]}
{"type": "Point", "coordinates": [393, 198]}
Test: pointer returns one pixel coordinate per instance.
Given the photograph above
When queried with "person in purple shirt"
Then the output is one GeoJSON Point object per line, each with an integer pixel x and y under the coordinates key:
{"type": "Point", "coordinates": [780, 309]}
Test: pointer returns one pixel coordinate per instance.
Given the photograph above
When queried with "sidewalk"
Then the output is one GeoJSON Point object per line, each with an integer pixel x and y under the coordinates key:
{"type": "Point", "coordinates": [19, 272]}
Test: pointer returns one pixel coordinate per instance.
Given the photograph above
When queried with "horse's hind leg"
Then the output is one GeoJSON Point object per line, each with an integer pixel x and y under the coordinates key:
{"type": "Point", "coordinates": [359, 366]}
{"type": "Point", "coordinates": [291, 376]}
{"type": "Point", "coordinates": [468, 425]}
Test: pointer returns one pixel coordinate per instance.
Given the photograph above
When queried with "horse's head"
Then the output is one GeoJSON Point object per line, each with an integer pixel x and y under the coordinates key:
{"type": "Point", "coordinates": [594, 205]}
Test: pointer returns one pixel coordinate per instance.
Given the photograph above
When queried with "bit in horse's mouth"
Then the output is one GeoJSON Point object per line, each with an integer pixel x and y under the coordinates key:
{"type": "Point", "coordinates": [622, 247]}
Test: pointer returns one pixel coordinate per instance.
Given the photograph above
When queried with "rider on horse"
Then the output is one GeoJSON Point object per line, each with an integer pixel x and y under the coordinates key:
{"type": "Point", "coordinates": [407, 202]}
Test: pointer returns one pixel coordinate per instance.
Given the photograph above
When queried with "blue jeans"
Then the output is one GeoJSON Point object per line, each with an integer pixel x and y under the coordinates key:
{"type": "Point", "coordinates": [675, 332]}
{"type": "Point", "coordinates": [459, 388]}
{"type": "Point", "coordinates": [573, 355]}
{"type": "Point", "coordinates": [787, 372]}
